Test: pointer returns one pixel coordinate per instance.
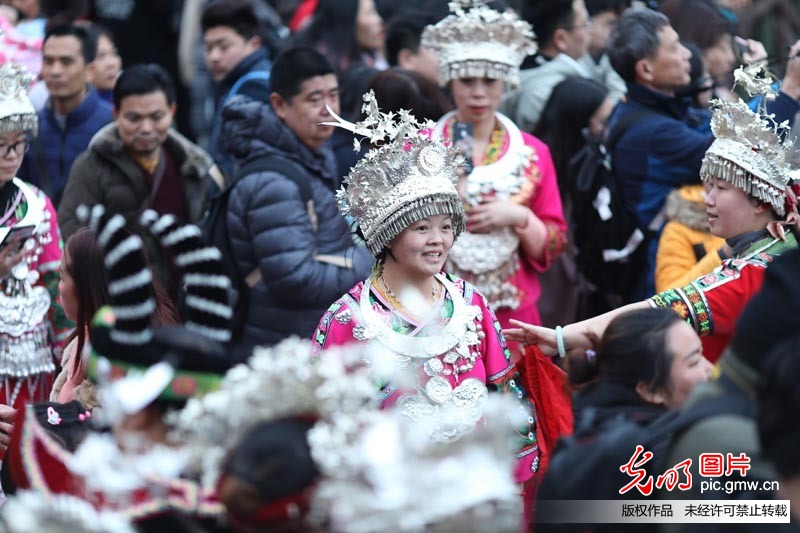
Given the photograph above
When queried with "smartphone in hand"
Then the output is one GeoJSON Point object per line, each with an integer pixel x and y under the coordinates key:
{"type": "Point", "coordinates": [23, 233]}
{"type": "Point", "coordinates": [464, 140]}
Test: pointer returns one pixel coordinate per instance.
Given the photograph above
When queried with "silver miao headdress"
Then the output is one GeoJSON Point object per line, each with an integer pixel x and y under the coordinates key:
{"type": "Point", "coordinates": [395, 479]}
{"type": "Point", "coordinates": [35, 511]}
{"type": "Point", "coordinates": [750, 150]}
{"type": "Point", "coordinates": [408, 177]}
{"type": "Point", "coordinates": [280, 381]}
{"type": "Point", "coordinates": [477, 41]}
{"type": "Point", "coordinates": [378, 473]}
{"type": "Point", "coordinates": [16, 110]}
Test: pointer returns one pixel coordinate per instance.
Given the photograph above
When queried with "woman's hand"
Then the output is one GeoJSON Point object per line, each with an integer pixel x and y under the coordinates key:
{"type": "Point", "coordinates": [493, 213]}
{"type": "Point", "coordinates": [754, 51]}
{"type": "Point", "coordinates": [10, 257]}
{"type": "Point", "coordinates": [7, 415]}
{"type": "Point", "coordinates": [545, 338]}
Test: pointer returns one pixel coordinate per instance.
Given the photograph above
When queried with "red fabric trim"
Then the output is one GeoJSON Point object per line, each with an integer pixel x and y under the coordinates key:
{"type": "Point", "coordinates": [546, 386]}
{"type": "Point", "coordinates": [37, 461]}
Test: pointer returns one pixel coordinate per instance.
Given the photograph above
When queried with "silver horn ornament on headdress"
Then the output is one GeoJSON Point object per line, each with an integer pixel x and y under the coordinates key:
{"type": "Point", "coordinates": [407, 176]}
{"type": "Point", "coordinates": [750, 151]}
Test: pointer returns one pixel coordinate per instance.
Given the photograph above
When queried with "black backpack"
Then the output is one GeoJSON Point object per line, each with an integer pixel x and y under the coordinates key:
{"type": "Point", "coordinates": [586, 465]}
{"type": "Point", "coordinates": [612, 248]}
{"type": "Point", "coordinates": [214, 227]}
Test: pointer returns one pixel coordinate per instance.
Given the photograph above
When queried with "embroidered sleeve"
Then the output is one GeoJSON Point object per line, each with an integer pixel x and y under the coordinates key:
{"type": "Point", "coordinates": [502, 376]}
{"type": "Point", "coordinates": [545, 202]}
{"type": "Point", "coordinates": [712, 304]}
{"type": "Point", "coordinates": [334, 328]}
{"type": "Point", "coordinates": [556, 240]}
{"type": "Point", "coordinates": [49, 242]}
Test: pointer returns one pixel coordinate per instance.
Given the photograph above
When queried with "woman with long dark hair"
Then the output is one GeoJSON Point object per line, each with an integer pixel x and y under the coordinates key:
{"type": "Point", "coordinates": [346, 31]}
{"type": "Point", "coordinates": [646, 362]}
{"type": "Point", "coordinates": [83, 289]}
{"type": "Point", "coordinates": [575, 113]}
{"type": "Point", "coordinates": [350, 34]}
{"type": "Point", "coordinates": [576, 107]}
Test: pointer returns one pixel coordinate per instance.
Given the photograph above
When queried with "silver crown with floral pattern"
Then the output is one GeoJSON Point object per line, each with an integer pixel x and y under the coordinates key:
{"type": "Point", "coordinates": [396, 479]}
{"type": "Point", "coordinates": [280, 381]}
{"type": "Point", "coordinates": [407, 176]}
{"type": "Point", "coordinates": [16, 110]}
{"type": "Point", "coordinates": [476, 41]}
{"type": "Point", "coordinates": [750, 151]}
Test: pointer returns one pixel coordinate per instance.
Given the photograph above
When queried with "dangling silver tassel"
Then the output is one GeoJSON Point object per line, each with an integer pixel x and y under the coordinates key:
{"type": "Point", "coordinates": [714, 166]}
{"type": "Point", "coordinates": [480, 68]}
{"type": "Point", "coordinates": [425, 207]}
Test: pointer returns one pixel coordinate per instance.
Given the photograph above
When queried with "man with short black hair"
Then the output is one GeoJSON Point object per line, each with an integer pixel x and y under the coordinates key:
{"type": "Point", "coordinates": [73, 112]}
{"type": "Point", "coordinates": [140, 162]}
{"type": "Point", "coordinates": [289, 241]}
{"type": "Point", "coordinates": [236, 60]}
{"type": "Point", "coordinates": [562, 31]}
{"type": "Point", "coordinates": [403, 48]}
{"type": "Point", "coordinates": [604, 15]}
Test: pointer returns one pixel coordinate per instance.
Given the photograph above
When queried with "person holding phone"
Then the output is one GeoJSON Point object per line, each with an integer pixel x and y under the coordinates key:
{"type": "Point", "coordinates": [515, 221]}
{"type": "Point", "coordinates": [32, 323]}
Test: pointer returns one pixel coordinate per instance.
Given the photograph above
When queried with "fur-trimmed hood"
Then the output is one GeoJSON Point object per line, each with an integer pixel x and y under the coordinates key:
{"type": "Point", "coordinates": [685, 205]}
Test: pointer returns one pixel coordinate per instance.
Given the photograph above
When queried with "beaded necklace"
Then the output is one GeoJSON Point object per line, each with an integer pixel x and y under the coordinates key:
{"type": "Point", "coordinates": [453, 341]}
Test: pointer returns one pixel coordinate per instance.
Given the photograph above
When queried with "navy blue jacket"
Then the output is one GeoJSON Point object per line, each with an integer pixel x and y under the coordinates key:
{"type": "Point", "coordinates": [256, 88]}
{"type": "Point", "coordinates": [662, 151]}
{"type": "Point", "coordinates": [52, 153]}
{"type": "Point", "coordinates": [269, 229]}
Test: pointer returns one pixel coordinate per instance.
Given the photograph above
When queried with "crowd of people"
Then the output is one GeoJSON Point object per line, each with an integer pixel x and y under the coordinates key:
{"type": "Point", "coordinates": [310, 265]}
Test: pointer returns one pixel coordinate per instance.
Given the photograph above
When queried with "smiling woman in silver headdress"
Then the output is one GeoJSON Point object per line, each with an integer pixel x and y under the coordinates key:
{"type": "Point", "coordinates": [32, 324]}
{"type": "Point", "coordinates": [515, 222]}
{"type": "Point", "coordinates": [409, 213]}
{"type": "Point", "coordinates": [750, 203]}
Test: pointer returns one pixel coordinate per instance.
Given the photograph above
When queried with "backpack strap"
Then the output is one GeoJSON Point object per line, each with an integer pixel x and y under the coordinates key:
{"type": "Point", "coordinates": [624, 124]}
{"type": "Point", "coordinates": [291, 171]}
{"type": "Point", "coordinates": [254, 75]}
{"type": "Point", "coordinates": [294, 172]}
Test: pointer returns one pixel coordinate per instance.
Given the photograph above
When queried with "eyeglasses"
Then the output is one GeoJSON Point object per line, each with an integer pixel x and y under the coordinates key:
{"type": "Point", "coordinates": [19, 148]}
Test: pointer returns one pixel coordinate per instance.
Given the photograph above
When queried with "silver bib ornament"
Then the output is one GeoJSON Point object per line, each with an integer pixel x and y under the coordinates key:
{"type": "Point", "coordinates": [438, 389]}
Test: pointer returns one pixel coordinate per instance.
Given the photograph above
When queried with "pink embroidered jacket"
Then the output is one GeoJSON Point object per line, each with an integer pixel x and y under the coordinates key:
{"type": "Point", "coordinates": [340, 323]}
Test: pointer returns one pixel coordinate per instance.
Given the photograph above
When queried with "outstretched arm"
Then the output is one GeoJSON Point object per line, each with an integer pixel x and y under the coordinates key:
{"type": "Point", "coordinates": [576, 336]}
